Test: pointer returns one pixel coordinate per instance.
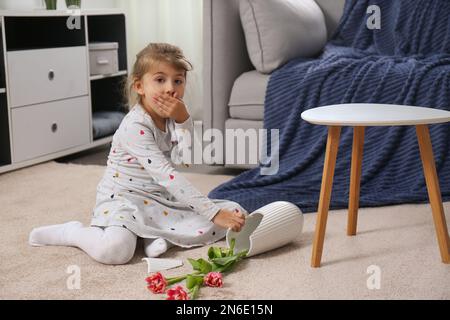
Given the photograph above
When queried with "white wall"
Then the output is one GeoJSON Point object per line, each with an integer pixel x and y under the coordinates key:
{"type": "Point", "coordinates": [178, 22]}
{"type": "Point", "coordinates": [19, 4]}
{"type": "Point", "coordinates": [94, 4]}
{"type": "Point", "coordinates": [39, 4]}
{"type": "Point", "coordinates": [174, 21]}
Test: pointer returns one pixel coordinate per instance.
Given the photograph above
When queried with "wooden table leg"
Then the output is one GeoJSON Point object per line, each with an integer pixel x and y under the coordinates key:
{"type": "Point", "coordinates": [325, 193]}
{"type": "Point", "coordinates": [355, 177]}
{"type": "Point", "coordinates": [434, 192]}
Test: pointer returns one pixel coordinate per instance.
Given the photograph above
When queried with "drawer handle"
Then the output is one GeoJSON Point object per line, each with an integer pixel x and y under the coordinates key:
{"type": "Point", "coordinates": [104, 61]}
{"type": "Point", "coordinates": [51, 75]}
{"type": "Point", "coordinates": [54, 127]}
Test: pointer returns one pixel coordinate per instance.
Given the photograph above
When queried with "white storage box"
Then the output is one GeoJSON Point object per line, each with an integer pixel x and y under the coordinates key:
{"type": "Point", "coordinates": [103, 57]}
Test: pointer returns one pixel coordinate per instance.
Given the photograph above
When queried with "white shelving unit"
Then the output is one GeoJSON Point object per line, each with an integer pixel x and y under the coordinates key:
{"type": "Point", "coordinates": [47, 95]}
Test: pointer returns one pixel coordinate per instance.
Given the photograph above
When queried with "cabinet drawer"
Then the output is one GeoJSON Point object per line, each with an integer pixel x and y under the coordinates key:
{"type": "Point", "coordinates": [44, 75]}
{"type": "Point", "coordinates": [51, 127]}
{"type": "Point", "coordinates": [23, 33]}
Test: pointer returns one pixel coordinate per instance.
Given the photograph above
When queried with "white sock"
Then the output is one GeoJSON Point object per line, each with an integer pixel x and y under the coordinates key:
{"type": "Point", "coordinates": [155, 247]}
{"type": "Point", "coordinates": [54, 235]}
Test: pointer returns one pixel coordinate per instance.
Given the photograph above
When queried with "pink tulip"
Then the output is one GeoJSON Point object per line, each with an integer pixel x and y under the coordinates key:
{"type": "Point", "coordinates": [213, 279]}
{"type": "Point", "coordinates": [177, 293]}
{"type": "Point", "coordinates": [156, 283]}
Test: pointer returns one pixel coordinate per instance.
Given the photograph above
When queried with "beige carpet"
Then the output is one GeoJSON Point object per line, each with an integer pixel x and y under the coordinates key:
{"type": "Point", "coordinates": [400, 240]}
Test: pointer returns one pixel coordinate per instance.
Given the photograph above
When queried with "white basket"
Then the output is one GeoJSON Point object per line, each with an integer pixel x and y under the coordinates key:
{"type": "Point", "coordinates": [267, 228]}
{"type": "Point", "coordinates": [103, 58]}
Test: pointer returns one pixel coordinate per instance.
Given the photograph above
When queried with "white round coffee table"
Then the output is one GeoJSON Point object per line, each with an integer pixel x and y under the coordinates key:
{"type": "Point", "coordinates": [360, 115]}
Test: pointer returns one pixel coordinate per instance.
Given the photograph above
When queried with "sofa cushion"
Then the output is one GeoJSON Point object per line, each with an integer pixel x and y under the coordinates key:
{"type": "Point", "coordinates": [247, 96]}
{"type": "Point", "coordinates": [277, 31]}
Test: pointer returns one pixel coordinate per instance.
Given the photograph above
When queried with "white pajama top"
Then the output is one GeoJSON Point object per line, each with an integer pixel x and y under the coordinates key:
{"type": "Point", "coordinates": [142, 191]}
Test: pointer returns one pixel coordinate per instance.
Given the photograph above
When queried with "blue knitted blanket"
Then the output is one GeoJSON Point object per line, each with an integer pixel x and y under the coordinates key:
{"type": "Point", "coordinates": [406, 61]}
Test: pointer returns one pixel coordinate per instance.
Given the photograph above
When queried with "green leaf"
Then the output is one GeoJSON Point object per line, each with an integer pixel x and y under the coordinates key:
{"type": "Point", "coordinates": [242, 254]}
{"type": "Point", "coordinates": [200, 265]}
{"type": "Point", "coordinates": [195, 264]}
{"type": "Point", "coordinates": [225, 267]}
{"type": "Point", "coordinates": [205, 266]}
{"type": "Point", "coordinates": [225, 252]}
{"type": "Point", "coordinates": [211, 253]}
{"type": "Point", "coordinates": [214, 252]}
{"type": "Point", "coordinates": [193, 293]}
{"type": "Point", "coordinates": [193, 280]}
{"type": "Point", "coordinates": [218, 252]}
{"type": "Point", "coordinates": [229, 266]}
{"type": "Point", "coordinates": [223, 261]}
{"type": "Point", "coordinates": [227, 263]}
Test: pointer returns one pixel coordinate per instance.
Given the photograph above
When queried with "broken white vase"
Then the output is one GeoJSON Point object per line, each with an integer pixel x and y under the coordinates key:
{"type": "Point", "coordinates": [160, 264]}
{"type": "Point", "coordinates": [269, 227]}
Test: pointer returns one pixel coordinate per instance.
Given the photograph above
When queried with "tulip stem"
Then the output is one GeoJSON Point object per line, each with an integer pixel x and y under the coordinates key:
{"type": "Point", "coordinates": [173, 280]}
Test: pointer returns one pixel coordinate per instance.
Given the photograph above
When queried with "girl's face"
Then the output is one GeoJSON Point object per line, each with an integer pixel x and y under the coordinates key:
{"type": "Point", "coordinates": [162, 79]}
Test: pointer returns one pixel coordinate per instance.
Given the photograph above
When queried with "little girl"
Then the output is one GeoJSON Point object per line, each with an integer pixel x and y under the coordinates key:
{"type": "Point", "coordinates": [141, 194]}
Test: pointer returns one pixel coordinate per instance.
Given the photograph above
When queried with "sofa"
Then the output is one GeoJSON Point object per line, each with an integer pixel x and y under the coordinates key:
{"type": "Point", "coordinates": [383, 52]}
{"type": "Point", "coordinates": [234, 91]}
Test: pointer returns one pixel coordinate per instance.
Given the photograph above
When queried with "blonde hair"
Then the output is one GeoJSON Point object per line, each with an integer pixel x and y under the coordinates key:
{"type": "Point", "coordinates": [146, 59]}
